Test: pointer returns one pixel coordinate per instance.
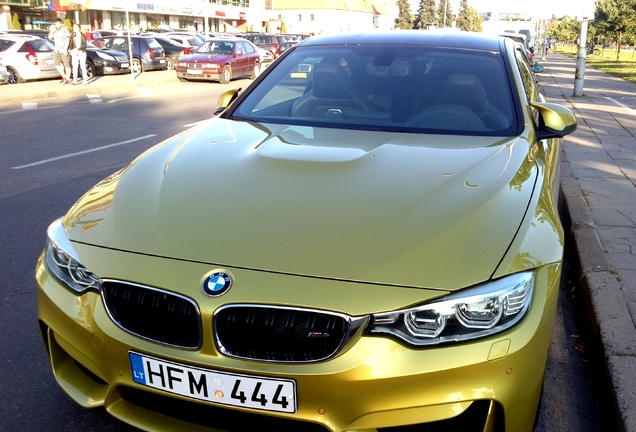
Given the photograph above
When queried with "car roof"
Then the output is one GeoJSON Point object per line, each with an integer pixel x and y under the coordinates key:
{"type": "Point", "coordinates": [450, 39]}
{"type": "Point", "coordinates": [19, 37]}
{"type": "Point", "coordinates": [227, 39]}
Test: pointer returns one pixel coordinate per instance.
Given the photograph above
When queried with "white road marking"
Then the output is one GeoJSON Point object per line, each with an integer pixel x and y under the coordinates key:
{"type": "Point", "coordinates": [630, 110]}
{"type": "Point", "coordinates": [70, 155]}
{"type": "Point", "coordinates": [145, 91]}
{"type": "Point", "coordinates": [94, 98]}
{"type": "Point", "coordinates": [29, 105]}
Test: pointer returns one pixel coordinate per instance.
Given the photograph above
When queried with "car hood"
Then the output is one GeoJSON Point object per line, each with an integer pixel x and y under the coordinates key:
{"type": "Point", "coordinates": [401, 209]}
{"type": "Point", "coordinates": [205, 57]}
{"type": "Point", "coordinates": [108, 51]}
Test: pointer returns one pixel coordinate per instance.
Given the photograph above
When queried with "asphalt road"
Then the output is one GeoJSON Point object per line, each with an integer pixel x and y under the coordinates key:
{"type": "Point", "coordinates": [51, 153]}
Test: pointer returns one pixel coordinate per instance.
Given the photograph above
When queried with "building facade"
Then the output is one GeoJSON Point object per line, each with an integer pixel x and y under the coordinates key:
{"type": "Point", "coordinates": [227, 16]}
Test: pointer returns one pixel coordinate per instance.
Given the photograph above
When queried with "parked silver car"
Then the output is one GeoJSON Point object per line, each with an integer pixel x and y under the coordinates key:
{"type": "Point", "coordinates": [27, 58]}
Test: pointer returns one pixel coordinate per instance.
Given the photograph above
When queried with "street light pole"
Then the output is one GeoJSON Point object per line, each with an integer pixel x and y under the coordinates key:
{"type": "Point", "coordinates": [579, 75]}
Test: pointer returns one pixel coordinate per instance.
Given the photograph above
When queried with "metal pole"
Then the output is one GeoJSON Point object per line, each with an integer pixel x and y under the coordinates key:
{"type": "Point", "coordinates": [579, 75]}
{"type": "Point", "coordinates": [130, 50]}
{"type": "Point", "coordinates": [445, 12]}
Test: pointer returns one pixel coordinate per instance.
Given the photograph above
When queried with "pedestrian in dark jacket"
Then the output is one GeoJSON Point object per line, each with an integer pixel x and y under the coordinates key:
{"type": "Point", "coordinates": [78, 53]}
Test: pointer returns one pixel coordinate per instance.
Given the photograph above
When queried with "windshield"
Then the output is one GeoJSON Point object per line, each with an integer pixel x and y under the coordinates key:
{"type": "Point", "coordinates": [41, 45]}
{"type": "Point", "coordinates": [216, 47]}
{"type": "Point", "coordinates": [389, 88]}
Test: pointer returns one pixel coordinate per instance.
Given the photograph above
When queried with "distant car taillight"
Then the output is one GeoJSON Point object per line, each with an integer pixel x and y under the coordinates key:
{"type": "Point", "coordinates": [32, 55]}
{"type": "Point", "coordinates": [186, 52]}
{"type": "Point", "coordinates": [150, 54]}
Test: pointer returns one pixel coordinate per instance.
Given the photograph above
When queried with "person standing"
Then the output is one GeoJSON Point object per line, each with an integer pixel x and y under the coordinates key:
{"type": "Point", "coordinates": [61, 38]}
{"type": "Point", "coordinates": [78, 53]}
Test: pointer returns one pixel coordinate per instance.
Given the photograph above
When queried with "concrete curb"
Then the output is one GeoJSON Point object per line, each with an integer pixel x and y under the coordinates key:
{"type": "Point", "coordinates": [50, 89]}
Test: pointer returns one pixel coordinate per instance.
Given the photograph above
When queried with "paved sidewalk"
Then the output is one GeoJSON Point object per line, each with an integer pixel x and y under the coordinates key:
{"type": "Point", "coordinates": [599, 185]}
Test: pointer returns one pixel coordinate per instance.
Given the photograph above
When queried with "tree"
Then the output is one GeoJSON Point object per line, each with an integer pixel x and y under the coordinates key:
{"type": "Point", "coordinates": [444, 14]}
{"type": "Point", "coordinates": [404, 19]}
{"type": "Point", "coordinates": [613, 18]}
{"type": "Point", "coordinates": [468, 18]}
{"type": "Point", "coordinates": [426, 15]}
{"type": "Point", "coordinates": [566, 30]}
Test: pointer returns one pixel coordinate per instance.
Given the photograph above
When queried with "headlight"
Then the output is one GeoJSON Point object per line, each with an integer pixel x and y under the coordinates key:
{"type": "Point", "coordinates": [63, 262]}
{"type": "Point", "coordinates": [105, 56]}
{"type": "Point", "coordinates": [472, 313]}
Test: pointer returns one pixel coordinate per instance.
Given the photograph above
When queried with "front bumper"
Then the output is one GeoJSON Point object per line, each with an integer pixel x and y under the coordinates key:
{"type": "Point", "coordinates": [205, 75]}
{"type": "Point", "coordinates": [492, 384]}
{"type": "Point", "coordinates": [112, 68]}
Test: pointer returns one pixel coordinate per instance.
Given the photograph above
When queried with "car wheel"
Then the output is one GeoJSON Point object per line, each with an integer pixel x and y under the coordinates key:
{"type": "Point", "coordinates": [137, 66]}
{"type": "Point", "coordinates": [14, 76]}
{"type": "Point", "coordinates": [226, 74]}
{"type": "Point", "coordinates": [90, 71]}
{"type": "Point", "coordinates": [169, 64]}
{"type": "Point", "coordinates": [256, 71]}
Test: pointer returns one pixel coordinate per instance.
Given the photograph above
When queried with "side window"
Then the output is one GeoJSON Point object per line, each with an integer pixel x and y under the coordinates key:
{"type": "Point", "coordinates": [527, 77]}
{"type": "Point", "coordinates": [119, 44]}
{"type": "Point", "coordinates": [5, 44]}
{"type": "Point", "coordinates": [249, 49]}
{"type": "Point", "coordinates": [529, 86]}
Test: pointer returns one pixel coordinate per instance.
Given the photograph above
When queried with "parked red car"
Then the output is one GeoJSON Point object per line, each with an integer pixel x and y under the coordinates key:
{"type": "Point", "coordinates": [220, 60]}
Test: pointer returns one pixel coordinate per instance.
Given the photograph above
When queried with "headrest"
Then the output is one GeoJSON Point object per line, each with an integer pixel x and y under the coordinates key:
{"type": "Point", "coordinates": [330, 81]}
{"type": "Point", "coordinates": [466, 90]}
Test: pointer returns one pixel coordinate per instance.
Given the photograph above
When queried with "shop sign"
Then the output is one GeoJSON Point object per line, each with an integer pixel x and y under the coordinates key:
{"type": "Point", "coordinates": [219, 14]}
{"type": "Point", "coordinates": [145, 6]}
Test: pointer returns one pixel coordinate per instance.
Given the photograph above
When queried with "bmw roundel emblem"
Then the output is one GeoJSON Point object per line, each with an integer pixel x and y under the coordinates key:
{"type": "Point", "coordinates": [217, 283]}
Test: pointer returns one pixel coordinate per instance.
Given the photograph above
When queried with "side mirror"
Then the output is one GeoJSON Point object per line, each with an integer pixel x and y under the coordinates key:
{"type": "Point", "coordinates": [225, 99]}
{"type": "Point", "coordinates": [557, 121]}
{"type": "Point", "coordinates": [538, 68]}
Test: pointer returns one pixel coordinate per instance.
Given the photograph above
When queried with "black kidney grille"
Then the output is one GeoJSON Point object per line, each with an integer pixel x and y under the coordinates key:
{"type": "Point", "coordinates": [278, 334]}
{"type": "Point", "coordinates": [153, 314]}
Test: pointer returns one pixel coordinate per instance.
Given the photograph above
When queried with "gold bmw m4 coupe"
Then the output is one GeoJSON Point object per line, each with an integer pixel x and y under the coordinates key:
{"type": "Point", "coordinates": [365, 239]}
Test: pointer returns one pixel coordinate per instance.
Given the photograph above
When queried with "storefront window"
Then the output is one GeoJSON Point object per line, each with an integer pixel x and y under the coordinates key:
{"type": "Point", "coordinates": [118, 21]}
{"type": "Point", "coordinates": [186, 22]}
{"type": "Point", "coordinates": [156, 21]}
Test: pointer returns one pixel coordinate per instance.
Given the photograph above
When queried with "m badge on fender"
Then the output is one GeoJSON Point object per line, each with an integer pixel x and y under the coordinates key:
{"type": "Point", "coordinates": [217, 283]}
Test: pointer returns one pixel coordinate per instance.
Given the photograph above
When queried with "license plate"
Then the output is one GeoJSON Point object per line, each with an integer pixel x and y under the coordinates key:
{"type": "Point", "coordinates": [224, 388]}
{"type": "Point", "coordinates": [162, 61]}
{"type": "Point", "coordinates": [125, 65]}
{"type": "Point", "coordinates": [195, 72]}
